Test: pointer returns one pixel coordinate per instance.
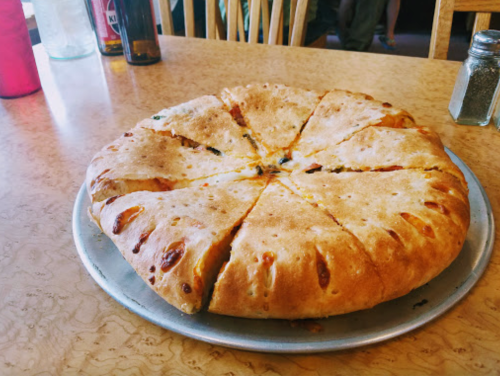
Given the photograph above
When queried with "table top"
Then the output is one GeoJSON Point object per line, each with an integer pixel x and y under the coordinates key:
{"type": "Point", "coordinates": [54, 319]}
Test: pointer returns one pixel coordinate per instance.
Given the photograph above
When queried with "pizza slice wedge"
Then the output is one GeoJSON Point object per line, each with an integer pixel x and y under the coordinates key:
{"type": "Point", "coordinates": [384, 149]}
{"type": "Point", "coordinates": [274, 113]}
{"type": "Point", "coordinates": [290, 260]}
{"type": "Point", "coordinates": [177, 241]}
{"type": "Point", "coordinates": [148, 160]}
{"type": "Point", "coordinates": [411, 223]}
{"type": "Point", "coordinates": [341, 113]}
{"type": "Point", "coordinates": [206, 121]}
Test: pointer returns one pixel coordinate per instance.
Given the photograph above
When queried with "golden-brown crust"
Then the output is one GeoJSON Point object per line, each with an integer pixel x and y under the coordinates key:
{"type": "Point", "coordinates": [206, 121]}
{"type": "Point", "coordinates": [412, 223]}
{"type": "Point", "coordinates": [179, 239]}
{"type": "Point", "coordinates": [382, 148]}
{"type": "Point", "coordinates": [148, 160]}
{"type": "Point", "coordinates": [291, 260]}
{"type": "Point", "coordinates": [275, 113]}
{"type": "Point", "coordinates": [341, 113]}
{"type": "Point", "coordinates": [373, 208]}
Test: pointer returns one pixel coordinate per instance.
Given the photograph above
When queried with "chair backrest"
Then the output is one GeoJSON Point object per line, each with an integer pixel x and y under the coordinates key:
{"type": "Point", "coordinates": [272, 25]}
{"type": "Point", "coordinates": [443, 17]}
{"type": "Point", "coordinates": [167, 24]}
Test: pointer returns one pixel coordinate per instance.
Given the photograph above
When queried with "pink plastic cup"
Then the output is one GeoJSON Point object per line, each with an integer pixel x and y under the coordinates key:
{"type": "Point", "coordinates": [18, 73]}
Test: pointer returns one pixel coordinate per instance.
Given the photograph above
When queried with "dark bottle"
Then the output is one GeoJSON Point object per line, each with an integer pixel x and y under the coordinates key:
{"type": "Point", "coordinates": [105, 24]}
{"type": "Point", "coordinates": [138, 31]}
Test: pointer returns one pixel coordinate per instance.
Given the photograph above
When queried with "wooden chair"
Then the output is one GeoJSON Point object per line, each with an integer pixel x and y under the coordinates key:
{"type": "Point", "coordinates": [272, 24]}
{"type": "Point", "coordinates": [212, 15]}
{"type": "Point", "coordinates": [167, 24]}
{"type": "Point", "coordinates": [443, 17]}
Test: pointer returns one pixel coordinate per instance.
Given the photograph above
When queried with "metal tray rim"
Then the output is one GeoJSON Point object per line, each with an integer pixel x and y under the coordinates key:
{"type": "Point", "coordinates": [270, 347]}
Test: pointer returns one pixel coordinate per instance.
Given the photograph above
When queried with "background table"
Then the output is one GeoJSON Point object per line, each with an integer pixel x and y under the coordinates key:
{"type": "Point", "coordinates": [54, 319]}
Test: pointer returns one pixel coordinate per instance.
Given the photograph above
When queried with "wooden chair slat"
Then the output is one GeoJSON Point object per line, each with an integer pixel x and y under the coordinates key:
{"type": "Point", "coordinates": [253, 33]}
{"type": "Point", "coordinates": [241, 23]}
{"type": "Point", "coordinates": [167, 23]}
{"type": "Point", "coordinates": [189, 18]}
{"type": "Point", "coordinates": [280, 29]}
{"type": "Point", "coordinates": [265, 20]}
{"type": "Point", "coordinates": [299, 23]}
{"type": "Point", "coordinates": [441, 29]}
{"type": "Point", "coordinates": [482, 22]}
{"type": "Point", "coordinates": [291, 24]}
{"type": "Point", "coordinates": [483, 6]}
{"type": "Point", "coordinates": [232, 19]}
{"type": "Point", "coordinates": [210, 24]}
{"type": "Point", "coordinates": [276, 19]}
{"type": "Point", "coordinates": [221, 31]}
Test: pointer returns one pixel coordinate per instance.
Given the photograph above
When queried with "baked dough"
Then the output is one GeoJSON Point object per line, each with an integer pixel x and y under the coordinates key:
{"type": "Point", "coordinates": [292, 260]}
{"type": "Point", "coordinates": [274, 113]}
{"type": "Point", "coordinates": [410, 222]}
{"type": "Point", "coordinates": [288, 203]}
{"type": "Point", "coordinates": [147, 160]}
{"type": "Point", "coordinates": [177, 240]}
{"type": "Point", "coordinates": [384, 149]}
{"type": "Point", "coordinates": [340, 114]}
{"type": "Point", "coordinates": [205, 121]}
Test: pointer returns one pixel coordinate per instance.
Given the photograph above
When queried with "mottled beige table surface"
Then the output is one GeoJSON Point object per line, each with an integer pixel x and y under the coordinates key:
{"type": "Point", "coordinates": [55, 320]}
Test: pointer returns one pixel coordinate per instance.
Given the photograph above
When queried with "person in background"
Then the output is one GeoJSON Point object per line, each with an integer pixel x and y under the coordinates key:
{"type": "Point", "coordinates": [387, 40]}
{"type": "Point", "coordinates": [357, 20]}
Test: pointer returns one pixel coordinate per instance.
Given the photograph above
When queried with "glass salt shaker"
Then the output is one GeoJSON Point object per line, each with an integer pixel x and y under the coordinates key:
{"type": "Point", "coordinates": [477, 86]}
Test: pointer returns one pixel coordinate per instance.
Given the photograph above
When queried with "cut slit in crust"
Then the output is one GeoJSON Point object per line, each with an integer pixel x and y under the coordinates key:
{"type": "Point", "coordinates": [182, 235]}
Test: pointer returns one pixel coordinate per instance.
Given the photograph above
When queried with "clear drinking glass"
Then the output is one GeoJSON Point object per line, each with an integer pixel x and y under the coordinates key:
{"type": "Point", "coordinates": [64, 28]}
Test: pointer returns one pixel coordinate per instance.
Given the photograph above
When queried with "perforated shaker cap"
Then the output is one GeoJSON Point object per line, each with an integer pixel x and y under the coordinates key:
{"type": "Point", "coordinates": [486, 43]}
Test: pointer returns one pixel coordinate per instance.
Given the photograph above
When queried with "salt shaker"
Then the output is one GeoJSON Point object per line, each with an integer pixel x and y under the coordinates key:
{"type": "Point", "coordinates": [477, 85]}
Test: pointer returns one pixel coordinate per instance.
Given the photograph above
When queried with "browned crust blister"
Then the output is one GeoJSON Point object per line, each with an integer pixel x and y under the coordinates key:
{"type": "Point", "coordinates": [289, 203]}
{"type": "Point", "coordinates": [412, 223]}
{"type": "Point", "coordinates": [177, 240]}
{"type": "Point", "coordinates": [285, 265]}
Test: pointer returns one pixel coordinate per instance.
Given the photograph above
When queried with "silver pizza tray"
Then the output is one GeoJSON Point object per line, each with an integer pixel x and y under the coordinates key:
{"type": "Point", "coordinates": [387, 320]}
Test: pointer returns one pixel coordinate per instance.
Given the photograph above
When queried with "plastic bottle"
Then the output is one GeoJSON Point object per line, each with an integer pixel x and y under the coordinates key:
{"type": "Point", "coordinates": [138, 30]}
{"type": "Point", "coordinates": [105, 24]}
{"type": "Point", "coordinates": [18, 73]}
{"type": "Point", "coordinates": [64, 28]}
